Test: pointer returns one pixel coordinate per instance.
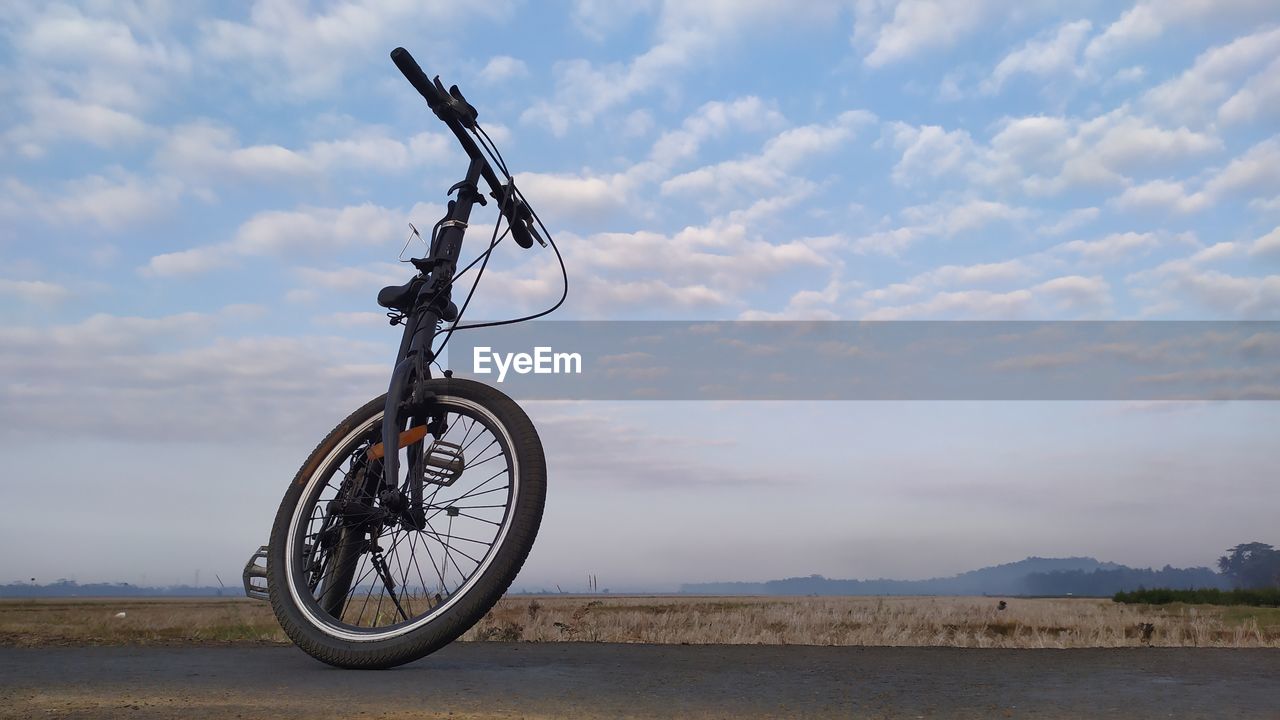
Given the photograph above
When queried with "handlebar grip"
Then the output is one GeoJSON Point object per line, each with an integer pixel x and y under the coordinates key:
{"type": "Point", "coordinates": [418, 79]}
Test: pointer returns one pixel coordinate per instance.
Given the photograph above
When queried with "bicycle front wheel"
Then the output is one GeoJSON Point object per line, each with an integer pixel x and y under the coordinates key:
{"type": "Point", "coordinates": [363, 575]}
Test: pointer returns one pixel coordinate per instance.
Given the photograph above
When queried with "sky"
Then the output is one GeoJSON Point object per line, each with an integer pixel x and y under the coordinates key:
{"type": "Point", "coordinates": [199, 202]}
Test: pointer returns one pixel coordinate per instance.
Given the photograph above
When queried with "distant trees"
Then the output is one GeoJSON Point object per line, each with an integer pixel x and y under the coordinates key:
{"type": "Point", "coordinates": [70, 588]}
{"type": "Point", "coordinates": [1267, 597]}
{"type": "Point", "coordinates": [1252, 565]}
{"type": "Point", "coordinates": [1103, 583]}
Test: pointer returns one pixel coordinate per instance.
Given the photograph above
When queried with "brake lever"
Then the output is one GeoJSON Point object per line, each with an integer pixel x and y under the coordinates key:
{"type": "Point", "coordinates": [454, 106]}
{"type": "Point", "coordinates": [523, 231]}
{"type": "Point", "coordinates": [534, 232]}
{"type": "Point", "coordinates": [520, 233]}
{"type": "Point", "coordinates": [466, 112]}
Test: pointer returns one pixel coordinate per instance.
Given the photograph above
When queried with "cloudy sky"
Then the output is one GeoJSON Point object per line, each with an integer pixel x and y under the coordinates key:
{"type": "Point", "coordinates": [198, 202]}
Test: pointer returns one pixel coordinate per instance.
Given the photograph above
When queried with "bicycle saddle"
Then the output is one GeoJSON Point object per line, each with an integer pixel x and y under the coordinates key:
{"type": "Point", "coordinates": [399, 297]}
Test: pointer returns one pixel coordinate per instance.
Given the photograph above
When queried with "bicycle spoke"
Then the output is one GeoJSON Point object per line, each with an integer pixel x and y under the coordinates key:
{"type": "Point", "coordinates": [473, 517]}
{"type": "Point", "coordinates": [373, 566]}
{"type": "Point", "coordinates": [454, 549]}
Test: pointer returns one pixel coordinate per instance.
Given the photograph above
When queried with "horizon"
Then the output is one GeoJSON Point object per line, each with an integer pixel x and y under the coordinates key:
{"type": "Point", "coordinates": [629, 588]}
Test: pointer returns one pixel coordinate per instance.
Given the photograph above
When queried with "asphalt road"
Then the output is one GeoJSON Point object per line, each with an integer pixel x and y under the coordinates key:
{"type": "Point", "coordinates": [616, 681]}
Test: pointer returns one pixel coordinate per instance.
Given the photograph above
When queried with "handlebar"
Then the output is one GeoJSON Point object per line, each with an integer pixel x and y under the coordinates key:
{"type": "Point", "coordinates": [451, 107]}
{"type": "Point", "coordinates": [418, 79]}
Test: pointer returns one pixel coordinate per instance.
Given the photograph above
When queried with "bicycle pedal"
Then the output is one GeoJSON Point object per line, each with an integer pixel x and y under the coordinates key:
{"type": "Point", "coordinates": [445, 463]}
{"type": "Point", "coordinates": [255, 575]}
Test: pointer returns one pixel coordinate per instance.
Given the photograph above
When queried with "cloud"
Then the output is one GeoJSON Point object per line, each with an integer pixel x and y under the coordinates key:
{"type": "Point", "coordinates": [84, 75]}
{"type": "Point", "coordinates": [1074, 295]}
{"type": "Point", "coordinates": [295, 53]}
{"type": "Point", "coordinates": [916, 26]}
{"type": "Point", "coordinates": [37, 292]}
{"type": "Point", "coordinates": [808, 305]}
{"type": "Point", "coordinates": [653, 292]}
{"type": "Point", "coordinates": [501, 68]}
{"type": "Point", "coordinates": [948, 277]}
{"type": "Point", "coordinates": [189, 262]}
{"type": "Point", "coordinates": [638, 123]}
{"type": "Point", "coordinates": [928, 151]}
{"type": "Point", "coordinates": [1230, 296]}
{"type": "Point", "coordinates": [688, 258]}
{"type": "Point", "coordinates": [768, 169]}
{"type": "Point", "coordinates": [98, 58]}
{"type": "Point", "coordinates": [1026, 149]}
{"type": "Point", "coordinates": [319, 229]}
{"type": "Point", "coordinates": [588, 198]}
{"type": "Point", "coordinates": [207, 151]}
{"type": "Point", "coordinates": [1045, 156]}
{"type": "Point", "coordinates": [938, 220]}
{"type": "Point", "coordinates": [353, 320]}
{"type": "Point", "coordinates": [1176, 284]}
{"type": "Point", "coordinates": [1129, 143]}
{"type": "Point", "coordinates": [707, 267]}
{"type": "Point", "coordinates": [712, 121]}
{"type": "Point", "coordinates": [1125, 76]}
{"type": "Point", "coordinates": [1255, 173]}
{"type": "Point", "coordinates": [161, 378]}
{"type": "Point", "coordinates": [979, 274]}
{"type": "Point", "coordinates": [580, 199]}
{"type": "Point", "coordinates": [1161, 195]}
{"type": "Point", "coordinates": [1267, 246]}
{"type": "Point", "coordinates": [1258, 99]}
{"type": "Point", "coordinates": [687, 34]}
{"type": "Point", "coordinates": [893, 31]}
{"type": "Point", "coordinates": [964, 304]}
{"type": "Point", "coordinates": [1111, 248]}
{"type": "Point", "coordinates": [1149, 19]}
{"type": "Point", "coordinates": [599, 18]}
{"type": "Point", "coordinates": [276, 232]}
{"type": "Point", "coordinates": [113, 202]}
{"type": "Point", "coordinates": [1045, 55]}
{"type": "Point", "coordinates": [366, 279]}
{"type": "Point", "coordinates": [53, 119]}
{"type": "Point", "coordinates": [1195, 95]}
{"type": "Point", "coordinates": [1070, 221]}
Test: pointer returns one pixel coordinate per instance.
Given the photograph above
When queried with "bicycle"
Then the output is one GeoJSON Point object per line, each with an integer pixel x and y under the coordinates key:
{"type": "Point", "coordinates": [396, 537]}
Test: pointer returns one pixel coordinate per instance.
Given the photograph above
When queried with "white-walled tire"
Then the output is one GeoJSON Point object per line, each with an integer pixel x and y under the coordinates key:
{"type": "Point", "coordinates": [325, 576]}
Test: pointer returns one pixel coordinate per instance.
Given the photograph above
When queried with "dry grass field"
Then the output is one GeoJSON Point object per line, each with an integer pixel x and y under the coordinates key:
{"type": "Point", "coordinates": [93, 621]}
{"type": "Point", "coordinates": [892, 621]}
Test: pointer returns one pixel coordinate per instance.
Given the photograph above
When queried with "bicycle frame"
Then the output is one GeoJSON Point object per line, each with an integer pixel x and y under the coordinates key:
{"type": "Point", "coordinates": [432, 303]}
{"type": "Point", "coordinates": [413, 360]}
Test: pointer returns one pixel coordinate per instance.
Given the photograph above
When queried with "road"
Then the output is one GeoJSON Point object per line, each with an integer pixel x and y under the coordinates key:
{"type": "Point", "coordinates": [502, 680]}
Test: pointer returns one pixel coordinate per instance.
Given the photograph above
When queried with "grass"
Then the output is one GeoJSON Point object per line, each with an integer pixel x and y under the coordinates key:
{"type": "Point", "coordinates": [93, 621]}
{"type": "Point", "coordinates": [903, 621]}
{"type": "Point", "coordinates": [1267, 597]}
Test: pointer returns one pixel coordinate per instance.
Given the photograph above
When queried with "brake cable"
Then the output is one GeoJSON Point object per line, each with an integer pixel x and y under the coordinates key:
{"type": "Point", "coordinates": [512, 196]}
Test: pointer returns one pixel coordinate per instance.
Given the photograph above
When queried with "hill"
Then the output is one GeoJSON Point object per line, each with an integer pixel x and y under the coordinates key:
{"type": "Point", "coordinates": [70, 588]}
{"type": "Point", "coordinates": [1031, 576]}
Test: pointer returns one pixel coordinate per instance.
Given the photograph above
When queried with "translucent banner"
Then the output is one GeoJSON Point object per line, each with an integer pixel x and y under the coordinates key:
{"type": "Point", "coordinates": [945, 360]}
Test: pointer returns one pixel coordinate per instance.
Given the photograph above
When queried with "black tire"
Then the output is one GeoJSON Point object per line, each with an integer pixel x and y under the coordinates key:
{"type": "Point", "coordinates": [331, 639]}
